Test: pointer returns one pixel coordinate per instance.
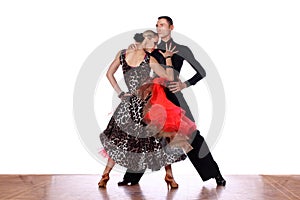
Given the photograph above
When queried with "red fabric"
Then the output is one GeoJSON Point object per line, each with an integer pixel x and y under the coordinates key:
{"type": "Point", "coordinates": [164, 114]}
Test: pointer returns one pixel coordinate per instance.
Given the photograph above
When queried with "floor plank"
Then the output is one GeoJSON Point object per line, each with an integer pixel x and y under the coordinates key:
{"type": "Point", "coordinates": [151, 186]}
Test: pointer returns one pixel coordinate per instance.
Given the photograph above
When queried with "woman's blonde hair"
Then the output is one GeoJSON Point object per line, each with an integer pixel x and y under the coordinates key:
{"type": "Point", "coordinates": [149, 34]}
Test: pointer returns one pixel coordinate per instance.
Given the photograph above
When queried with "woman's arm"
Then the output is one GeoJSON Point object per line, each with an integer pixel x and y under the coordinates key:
{"type": "Point", "coordinates": [167, 73]}
{"type": "Point", "coordinates": [111, 71]}
{"type": "Point", "coordinates": [158, 69]}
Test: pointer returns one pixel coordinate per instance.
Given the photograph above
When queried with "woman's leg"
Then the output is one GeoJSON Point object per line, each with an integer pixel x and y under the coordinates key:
{"type": "Point", "coordinates": [105, 176]}
{"type": "Point", "coordinates": [110, 164]}
{"type": "Point", "coordinates": [168, 169]}
{"type": "Point", "coordinates": [169, 178]}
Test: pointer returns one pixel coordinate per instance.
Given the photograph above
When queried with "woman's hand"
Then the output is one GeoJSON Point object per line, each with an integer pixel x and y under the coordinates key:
{"type": "Point", "coordinates": [125, 95]}
{"type": "Point", "coordinates": [169, 51]}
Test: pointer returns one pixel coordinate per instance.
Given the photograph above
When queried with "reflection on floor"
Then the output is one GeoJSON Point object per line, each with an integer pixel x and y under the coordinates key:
{"type": "Point", "coordinates": [151, 186]}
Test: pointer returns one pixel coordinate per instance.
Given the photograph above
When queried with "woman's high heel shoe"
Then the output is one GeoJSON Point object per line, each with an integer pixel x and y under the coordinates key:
{"type": "Point", "coordinates": [102, 183]}
{"type": "Point", "coordinates": [170, 182]}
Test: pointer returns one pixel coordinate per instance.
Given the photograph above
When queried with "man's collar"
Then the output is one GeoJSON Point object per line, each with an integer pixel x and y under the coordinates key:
{"type": "Point", "coordinates": [163, 43]}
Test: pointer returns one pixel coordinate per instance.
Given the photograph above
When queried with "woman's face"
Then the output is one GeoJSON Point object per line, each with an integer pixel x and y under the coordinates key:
{"type": "Point", "coordinates": [155, 40]}
{"type": "Point", "coordinates": [151, 42]}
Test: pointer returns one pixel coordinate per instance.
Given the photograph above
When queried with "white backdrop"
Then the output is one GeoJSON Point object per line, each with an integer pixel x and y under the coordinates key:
{"type": "Point", "coordinates": [255, 46]}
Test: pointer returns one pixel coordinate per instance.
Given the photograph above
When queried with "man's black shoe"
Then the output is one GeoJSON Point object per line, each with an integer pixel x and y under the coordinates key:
{"type": "Point", "coordinates": [220, 180]}
{"type": "Point", "coordinates": [125, 182]}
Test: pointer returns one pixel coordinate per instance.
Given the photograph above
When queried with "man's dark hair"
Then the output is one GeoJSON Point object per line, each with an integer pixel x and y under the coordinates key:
{"type": "Point", "coordinates": [169, 19]}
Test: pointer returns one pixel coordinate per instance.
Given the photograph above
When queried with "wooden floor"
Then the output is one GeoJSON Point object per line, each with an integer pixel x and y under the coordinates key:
{"type": "Point", "coordinates": [152, 186]}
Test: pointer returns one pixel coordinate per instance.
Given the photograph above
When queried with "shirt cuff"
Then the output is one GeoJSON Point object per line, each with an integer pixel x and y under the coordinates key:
{"type": "Point", "coordinates": [187, 83]}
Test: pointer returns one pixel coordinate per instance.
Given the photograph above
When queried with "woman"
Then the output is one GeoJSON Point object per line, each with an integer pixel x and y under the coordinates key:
{"type": "Point", "coordinates": [131, 138]}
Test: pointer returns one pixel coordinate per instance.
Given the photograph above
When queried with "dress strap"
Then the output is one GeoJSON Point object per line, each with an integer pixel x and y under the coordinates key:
{"type": "Point", "coordinates": [122, 56]}
{"type": "Point", "coordinates": [147, 57]}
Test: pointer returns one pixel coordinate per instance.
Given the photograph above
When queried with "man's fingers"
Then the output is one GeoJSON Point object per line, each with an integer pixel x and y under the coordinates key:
{"type": "Point", "coordinates": [174, 90]}
{"type": "Point", "coordinates": [173, 83]}
{"type": "Point", "coordinates": [170, 45]}
{"type": "Point", "coordinates": [172, 86]}
{"type": "Point", "coordinates": [132, 46]}
{"type": "Point", "coordinates": [173, 48]}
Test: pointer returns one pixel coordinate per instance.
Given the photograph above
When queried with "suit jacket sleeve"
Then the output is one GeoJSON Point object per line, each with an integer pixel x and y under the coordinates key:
{"type": "Point", "coordinates": [200, 72]}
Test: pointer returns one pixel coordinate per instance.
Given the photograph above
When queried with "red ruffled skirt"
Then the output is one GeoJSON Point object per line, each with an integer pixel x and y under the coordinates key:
{"type": "Point", "coordinates": [165, 115]}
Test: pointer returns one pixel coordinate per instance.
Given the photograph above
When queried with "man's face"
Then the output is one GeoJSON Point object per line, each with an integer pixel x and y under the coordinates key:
{"type": "Point", "coordinates": [163, 28]}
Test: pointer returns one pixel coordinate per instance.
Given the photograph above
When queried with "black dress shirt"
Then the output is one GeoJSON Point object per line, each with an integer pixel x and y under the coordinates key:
{"type": "Point", "coordinates": [177, 61]}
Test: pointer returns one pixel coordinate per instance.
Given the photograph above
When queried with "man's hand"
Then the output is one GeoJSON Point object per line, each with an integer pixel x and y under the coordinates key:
{"type": "Point", "coordinates": [132, 46]}
{"type": "Point", "coordinates": [176, 86]}
{"type": "Point", "coordinates": [169, 51]}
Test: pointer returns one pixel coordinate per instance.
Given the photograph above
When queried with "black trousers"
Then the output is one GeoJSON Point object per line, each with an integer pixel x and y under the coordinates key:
{"type": "Point", "coordinates": [200, 155]}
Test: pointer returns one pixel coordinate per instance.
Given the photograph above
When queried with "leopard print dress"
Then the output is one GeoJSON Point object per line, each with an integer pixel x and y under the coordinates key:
{"type": "Point", "coordinates": [127, 139]}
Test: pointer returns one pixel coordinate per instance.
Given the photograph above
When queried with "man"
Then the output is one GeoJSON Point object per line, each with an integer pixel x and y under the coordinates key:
{"type": "Point", "coordinates": [205, 166]}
